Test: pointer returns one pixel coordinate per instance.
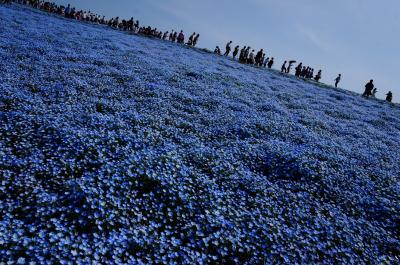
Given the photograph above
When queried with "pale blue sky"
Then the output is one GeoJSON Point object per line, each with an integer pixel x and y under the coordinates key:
{"type": "Point", "coordinates": [358, 38]}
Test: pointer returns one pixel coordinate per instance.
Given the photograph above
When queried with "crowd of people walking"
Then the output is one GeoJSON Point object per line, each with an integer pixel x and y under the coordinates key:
{"type": "Point", "coordinates": [131, 25]}
{"type": "Point", "coordinates": [246, 55]}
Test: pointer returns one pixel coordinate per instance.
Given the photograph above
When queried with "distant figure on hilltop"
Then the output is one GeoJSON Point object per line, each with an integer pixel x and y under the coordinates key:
{"type": "Point", "coordinates": [258, 58]}
{"type": "Point", "coordinates": [171, 35]}
{"type": "Point", "coordinates": [67, 11]}
{"type": "Point", "coordinates": [181, 37]}
{"type": "Point", "coordinates": [228, 48]}
{"type": "Point", "coordinates": [368, 88]}
{"type": "Point", "coordinates": [235, 52]}
{"type": "Point", "coordinates": [337, 80]}
{"type": "Point", "coordinates": [389, 96]}
{"type": "Point", "coordinates": [290, 66]}
{"type": "Point", "coordinates": [298, 69]}
{"type": "Point", "coordinates": [271, 63]}
{"type": "Point", "coordinates": [217, 50]}
{"type": "Point", "coordinates": [318, 76]}
{"type": "Point", "coordinates": [196, 39]}
{"type": "Point", "coordinates": [283, 68]}
{"type": "Point", "coordinates": [246, 55]}
{"type": "Point", "coordinates": [266, 62]}
{"type": "Point", "coordinates": [251, 57]}
{"type": "Point", "coordinates": [191, 39]}
{"type": "Point", "coordinates": [174, 36]}
{"type": "Point", "coordinates": [241, 56]}
{"type": "Point", "coordinates": [165, 36]}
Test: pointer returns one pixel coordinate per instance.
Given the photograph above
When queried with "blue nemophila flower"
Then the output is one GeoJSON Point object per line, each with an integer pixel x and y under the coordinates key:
{"type": "Point", "coordinates": [113, 154]}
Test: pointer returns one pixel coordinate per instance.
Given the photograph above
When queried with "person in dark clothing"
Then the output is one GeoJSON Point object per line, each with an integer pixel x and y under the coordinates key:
{"type": "Point", "coordinates": [191, 39]}
{"type": "Point", "coordinates": [175, 36]}
{"type": "Point", "coordinates": [298, 69]}
{"type": "Point", "coordinates": [270, 63]}
{"type": "Point", "coordinates": [235, 52]}
{"type": "Point", "coordinates": [246, 55]}
{"type": "Point", "coordinates": [337, 80]}
{"type": "Point", "coordinates": [67, 11]}
{"type": "Point", "coordinates": [259, 57]}
{"type": "Point", "coordinates": [266, 61]}
{"type": "Point", "coordinates": [262, 60]}
{"type": "Point", "coordinates": [165, 35]}
{"type": "Point", "coordinates": [228, 48]}
{"type": "Point", "coordinates": [304, 72]}
{"type": "Point", "coordinates": [368, 88]}
{"type": "Point", "coordinates": [283, 68]}
{"type": "Point", "coordinates": [241, 56]}
{"type": "Point", "coordinates": [389, 96]}
{"type": "Point", "coordinates": [311, 74]}
{"type": "Point", "coordinates": [181, 37]}
{"type": "Point", "coordinates": [171, 35]}
{"type": "Point", "coordinates": [289, 66]}
{"type": "Point", "coordinates": [318, 76]}
{"type": "Point", "coordinates": [217, 51]}
{"type": "Point", "coordinates": [196, 39]}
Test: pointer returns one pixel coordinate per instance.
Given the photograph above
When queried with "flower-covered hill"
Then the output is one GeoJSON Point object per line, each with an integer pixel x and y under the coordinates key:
{"type": "Point", "coordinates": [121, 149]}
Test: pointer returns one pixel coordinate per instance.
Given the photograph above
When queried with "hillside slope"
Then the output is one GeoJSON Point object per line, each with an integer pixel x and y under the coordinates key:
{"type": "Point", "coordinates": [121, 149]}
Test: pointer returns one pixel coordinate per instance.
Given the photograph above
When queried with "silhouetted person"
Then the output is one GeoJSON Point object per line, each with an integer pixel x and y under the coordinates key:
{"type": "Point", "coordinates": [318, 76]}
{"type": "Point", "coordinates": [289, 66]}
{"type": "Point", "coordinates": [191, 39]}
{"type": "Point", "coordinates": [389, 96]}
{"type": "Point", "coordinates": [228, 48]}
{"type": "Point", "coordinates": [337, 80]}
{"type": "Point", "coordinates": [181, 37]}
{"type": "Point", "coordinates": [67, 11]}
{"type": "Point", "coordinates": [258, 57]}
{"type": "Point", "coordinates": [217, 51]}
{"type": "Point", "coordinates": [283, 68]}
{"type": "Point", "coordinates": [251, 58]}
{"type": "Point", "coordinates": [368, 88]}
{"type": "Point", "coordinates": [246, 55]}
{"type": "Point", "coordinates": [311, 74]}
{"type": "Point", "coordinates": [196, 39]}
{"type": "Point", "coordinates": [235, 52]}
{"type": "Point", "coordinates": [298, 69]}
{"type": "Point", "coordinates": [262, 60]}
{"type": "Point", "coordinates": [266, 62]}
{"type": "Point", "coordinates": [174, 36]}
{"type": "Point", "coordinates": [271, 62]}
{"type": "Point", "coordinates": [165, 36]}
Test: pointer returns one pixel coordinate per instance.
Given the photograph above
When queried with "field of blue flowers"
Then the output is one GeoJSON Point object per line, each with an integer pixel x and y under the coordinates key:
{"type": "Point", "coordinates": [116, 148]}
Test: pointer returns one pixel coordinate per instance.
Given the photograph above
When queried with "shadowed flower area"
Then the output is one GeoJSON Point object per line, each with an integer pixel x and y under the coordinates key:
{"type": "Point", "coordinates": [121, 149]}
